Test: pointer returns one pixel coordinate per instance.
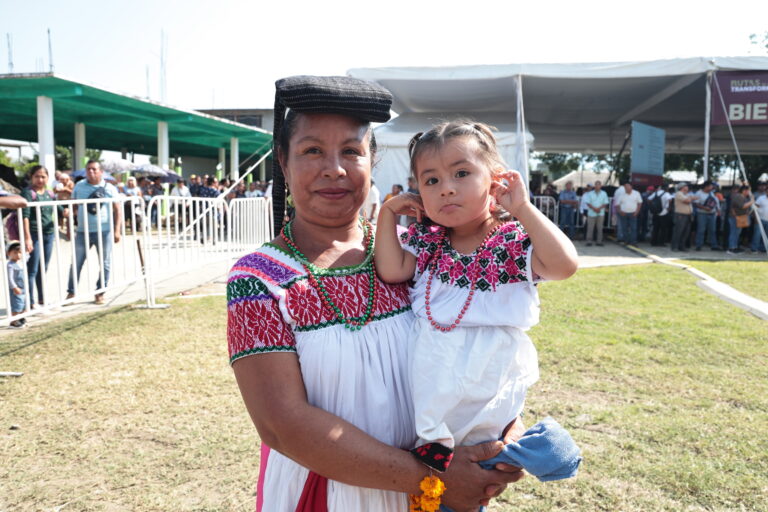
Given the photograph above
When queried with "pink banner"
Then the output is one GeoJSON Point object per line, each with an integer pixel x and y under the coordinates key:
{"type": "Point", "coordinates": [745, 95]}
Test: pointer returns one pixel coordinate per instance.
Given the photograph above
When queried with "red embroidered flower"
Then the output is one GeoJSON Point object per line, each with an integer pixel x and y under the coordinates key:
{"type": "Point", "coordinates": [456, 271]}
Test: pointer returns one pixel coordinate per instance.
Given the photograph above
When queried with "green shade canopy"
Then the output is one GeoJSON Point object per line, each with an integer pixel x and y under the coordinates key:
{"type": "Point", "coordinates": [115, 121]}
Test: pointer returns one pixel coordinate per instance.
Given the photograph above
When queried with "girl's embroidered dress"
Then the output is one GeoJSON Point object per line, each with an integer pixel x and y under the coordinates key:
{"type": "Point", "coordinates": [360, 376]}
{"type": "Point", "coordinates": [468, 383]}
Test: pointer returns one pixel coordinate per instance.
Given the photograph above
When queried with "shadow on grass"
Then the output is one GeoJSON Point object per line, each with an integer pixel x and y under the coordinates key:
{"type": "Point", "coordinates": [52, 330]}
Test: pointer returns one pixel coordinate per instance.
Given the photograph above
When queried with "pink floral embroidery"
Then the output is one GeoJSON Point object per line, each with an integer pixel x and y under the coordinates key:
{"type": "Point", "coordinates": [423, 260]}
{"type": "Point", "coordinates": [456, 271]}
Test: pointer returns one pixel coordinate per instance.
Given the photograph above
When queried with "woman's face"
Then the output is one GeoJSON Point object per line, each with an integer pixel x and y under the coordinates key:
{"type": "Point", "coordinates": [328, 168]}
{"type": "Point", "coordinates": [39, 179]}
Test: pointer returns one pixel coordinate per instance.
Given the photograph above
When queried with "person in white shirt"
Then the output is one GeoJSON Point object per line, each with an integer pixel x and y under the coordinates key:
{"type": "Point", "coordinates": [181, 190]}
{"type": "Point", "coordinates": [628, 207]}
{"type": "Point", "coordinates": [253, 190]}
{"type": "Point", "coordinates": [761, 203]}
{"type": "Point", "coordinates": [596, 203]}
{"type": "Point", "coordinates": [372, 203]}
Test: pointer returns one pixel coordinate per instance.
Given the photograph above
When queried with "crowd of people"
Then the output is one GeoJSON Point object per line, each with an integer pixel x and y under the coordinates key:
{"type": "Point", "coordinates": [96, 226]}
{"type": "Point", "coordinates": [682, 216]}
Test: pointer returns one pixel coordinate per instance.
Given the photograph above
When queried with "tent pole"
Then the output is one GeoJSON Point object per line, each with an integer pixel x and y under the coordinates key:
{"type": "Point", "coordinates": [707, 121]}
{"type": "Point", "coordinates": [521, 130]}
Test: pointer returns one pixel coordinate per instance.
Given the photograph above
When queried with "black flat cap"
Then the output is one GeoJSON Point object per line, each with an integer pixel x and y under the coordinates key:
{"type": "Point", "coordinates": [343, 95]}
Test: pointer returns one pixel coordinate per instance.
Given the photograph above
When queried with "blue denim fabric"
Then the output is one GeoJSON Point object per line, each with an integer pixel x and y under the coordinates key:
{"type": "Point", "coordinates": [706, 222]}
{"type": "Point", "coordinates": [567, 222]}
{"type": "Point", "coordinates": [81, 253]}
{"type": "Point", "coordinates": [35, 277]}
{"type": "Point", "coordinates": [628, 228]}
{"type": "Point", "coordinates": [18, 302]}
{"type": "Point", "coordinates": [733, 233]}
{"type": "Point", "coordinates": [757, 240]}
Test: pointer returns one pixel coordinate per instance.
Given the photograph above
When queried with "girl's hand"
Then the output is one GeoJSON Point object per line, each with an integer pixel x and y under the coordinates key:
{"type": "Point", "coordinates": [17, 291]}
{"type": "Point", "coordinates": [405, 204]}
{"type": "Point", "coordinates": [513, 195]}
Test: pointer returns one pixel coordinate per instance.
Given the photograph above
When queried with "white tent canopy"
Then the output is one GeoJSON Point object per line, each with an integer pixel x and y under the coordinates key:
{"type": "Point", "coordinates": [584, 177]}
{"type": "Point", "coordinates": [393, 167]}
{"type": "Point", "coordinates": [581, 107]}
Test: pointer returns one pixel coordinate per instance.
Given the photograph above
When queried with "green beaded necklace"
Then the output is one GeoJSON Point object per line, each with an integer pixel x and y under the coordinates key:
{"type": "Point", "coordinates": [354, 323]}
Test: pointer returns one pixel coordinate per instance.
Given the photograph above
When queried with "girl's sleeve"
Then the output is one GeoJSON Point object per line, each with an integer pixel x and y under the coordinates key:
{"type": "Point", "coordinates": [411, 238]}
{"type": "Point", "coordinates": [255, 324]}
{"type": "Point", "coordinates": [520, 249]}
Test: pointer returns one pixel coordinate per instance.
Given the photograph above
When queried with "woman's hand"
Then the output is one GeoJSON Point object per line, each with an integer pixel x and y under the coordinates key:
{"type": "Point", "coordinates": [512, 195]}
{"type": "Point", "coordinates": [28, 243]}
{"type": "Point", "coordinates": [468, 486]}
{"type": "Point", "coordinates": [405, 204]}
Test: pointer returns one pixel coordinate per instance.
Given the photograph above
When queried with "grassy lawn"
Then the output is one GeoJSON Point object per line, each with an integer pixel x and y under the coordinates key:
{"type": "Point", "coordinates": [746, 276]}
{"type": "Point", "coordinates": [663, 386]}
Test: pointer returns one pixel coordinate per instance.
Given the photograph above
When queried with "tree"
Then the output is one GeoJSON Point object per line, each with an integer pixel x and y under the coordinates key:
{"type": "Point", "coordinates": [559, 164]}
{"type": "Point", "coordinates": [760, 42]}
{"type": "Point", "coordinates": [64, 158]}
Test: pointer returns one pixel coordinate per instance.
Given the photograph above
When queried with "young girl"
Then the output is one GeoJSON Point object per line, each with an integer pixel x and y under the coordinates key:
{"type": "Point", "coordinates": [473, 292]}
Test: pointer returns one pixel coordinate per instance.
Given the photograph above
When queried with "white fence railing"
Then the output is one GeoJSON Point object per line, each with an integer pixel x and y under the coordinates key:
{"type": "Point", "coordinates": [165, 237]}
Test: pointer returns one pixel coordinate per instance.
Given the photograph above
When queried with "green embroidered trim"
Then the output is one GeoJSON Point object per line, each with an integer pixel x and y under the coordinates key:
{"type": "Point", "coordinates": [261, 350]}
{"type": "Point", "coordinates": [336, 271]}
{"type": "Point", "coordinates": [336, 321]}
{"type": "Point", "coordinates": [246, 287]}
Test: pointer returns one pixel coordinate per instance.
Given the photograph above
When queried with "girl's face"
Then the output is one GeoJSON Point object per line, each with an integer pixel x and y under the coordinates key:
{"type": "Point", "coordinates": [328, 168]}
{"type": "Point", "coordinates": [454, 183]}
{"type": "Point", "coordinates": [39, 180]}
{"type": "Point", "coordinates": [15, 255]}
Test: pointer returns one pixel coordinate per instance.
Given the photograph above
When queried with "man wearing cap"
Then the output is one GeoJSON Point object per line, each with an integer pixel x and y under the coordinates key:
{"type": "Point", "coordinates": [707, 210]}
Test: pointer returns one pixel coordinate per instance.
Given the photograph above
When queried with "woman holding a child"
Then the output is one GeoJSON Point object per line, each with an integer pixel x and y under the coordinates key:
{"type": "Point", "coordinates": [318, 343]}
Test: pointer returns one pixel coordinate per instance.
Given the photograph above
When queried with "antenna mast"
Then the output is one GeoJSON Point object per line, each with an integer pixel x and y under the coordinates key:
{"type": "Point", "coordinates": [10, 52]}
{"type": "Point", "coordinates": [50, 52]}
{"type": "Point", "coordinates": [163, 60]}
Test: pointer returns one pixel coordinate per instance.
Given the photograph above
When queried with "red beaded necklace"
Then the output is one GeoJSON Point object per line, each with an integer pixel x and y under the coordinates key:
{"type": "Point", "coordinates": [473, 279]}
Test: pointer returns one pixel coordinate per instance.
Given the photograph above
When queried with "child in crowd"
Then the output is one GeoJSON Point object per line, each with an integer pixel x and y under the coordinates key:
{"type": "Point", "coordinates": [16, 283]}
{"type": "Point", "coordinates": [473, 271]}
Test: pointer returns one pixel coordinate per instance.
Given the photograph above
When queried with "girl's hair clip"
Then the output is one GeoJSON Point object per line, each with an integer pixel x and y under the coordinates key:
{"type": "Point", "coordinates": [412, 144]}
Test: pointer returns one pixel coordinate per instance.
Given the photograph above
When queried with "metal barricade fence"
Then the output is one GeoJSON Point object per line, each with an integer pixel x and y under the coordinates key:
{"type": "Point", "coordinates": [187, 231]}
{"type": "Point", "coordinates": [251, 223]}
{"type": "Point", "coordinates": [106, 256]}
{"type": "Point", "coordinates": [548, 206]}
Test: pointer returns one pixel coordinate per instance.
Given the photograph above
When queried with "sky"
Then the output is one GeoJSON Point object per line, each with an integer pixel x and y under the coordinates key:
{"type": "Point", "coordinates": [228, 54]}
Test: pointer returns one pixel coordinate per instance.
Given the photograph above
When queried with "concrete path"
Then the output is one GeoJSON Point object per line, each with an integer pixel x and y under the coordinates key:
{"type": "Point", "coordinates": [211, 279]}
